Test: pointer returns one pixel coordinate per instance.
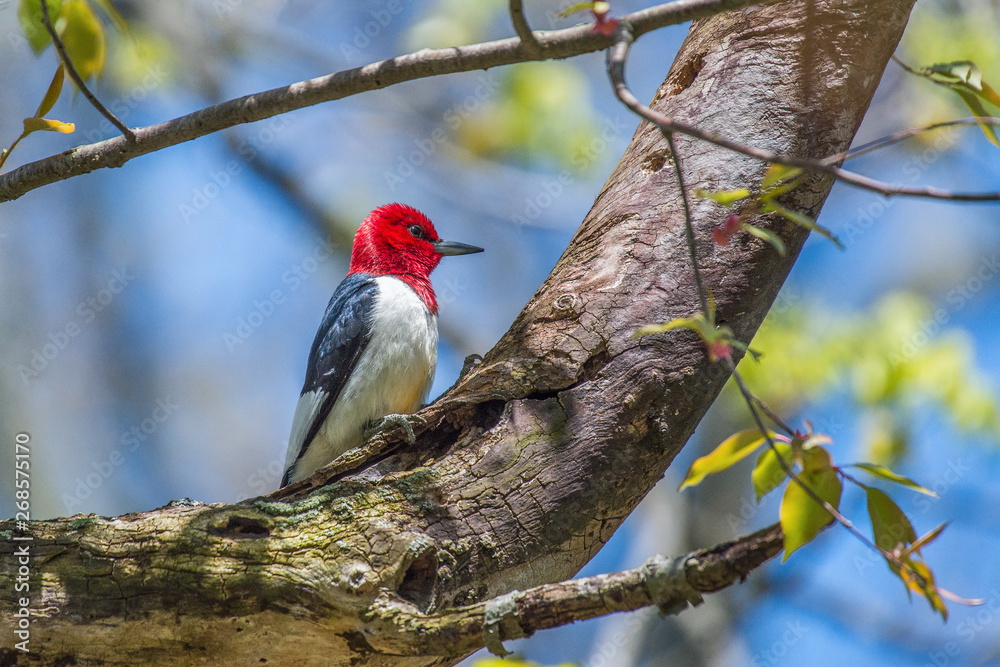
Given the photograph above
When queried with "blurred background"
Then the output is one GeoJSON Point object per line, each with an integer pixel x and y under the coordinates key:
{"type": "Point", "coordinates": [156, 319]}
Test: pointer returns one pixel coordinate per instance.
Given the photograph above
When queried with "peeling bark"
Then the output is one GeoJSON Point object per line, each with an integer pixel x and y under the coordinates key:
{"type": "Point", "coordinates": [525, 468]}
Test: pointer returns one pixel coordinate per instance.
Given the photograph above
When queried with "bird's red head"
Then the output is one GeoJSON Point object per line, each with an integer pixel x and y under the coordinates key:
{"type": "Point", "coordinates": [395, 239]}
{"type": "Point", "coordinates": [398, 240]}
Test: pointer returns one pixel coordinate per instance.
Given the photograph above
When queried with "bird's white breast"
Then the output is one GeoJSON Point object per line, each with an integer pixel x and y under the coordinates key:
{"type": "Point", "coordinates": [392, 376]}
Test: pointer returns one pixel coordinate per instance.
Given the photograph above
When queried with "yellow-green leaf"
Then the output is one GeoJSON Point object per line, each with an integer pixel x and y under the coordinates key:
{"type": "Point", "coordinates": [29, 13]}
{"type": "Point", "coordinates": [732, 449]}
{"type": "Point", "coordinates": [47, 125]}
{"type": "Point", "coordinates": [884, 473]}
{"type": "Point", "coordinates": [979, 111]}
{"type": "Point", "coordinates": [767, 235]}
{"type": "Point", "coordinates": [52, 94]}
{"type": "Point", "coordinates": [918, 576]}
{"type": "Point", "coordinates": [801, 220]}
{"type": "Point", "coordinates": [768, 473]}
{"type": "Point", "coordinates": [926, 539]}
{"type": "Point", "coordinates": [676, 323]}
{"type": "Point", "coordinates": [724, 197]}
{"type": "Point", "coordinates": [777, 173]}
{"type": "Point", "coordinates": [801, 516]}
{"type": "Point", "coordinates": [84, 38]}
{"type": "Point", "coordinates": [890, 526]}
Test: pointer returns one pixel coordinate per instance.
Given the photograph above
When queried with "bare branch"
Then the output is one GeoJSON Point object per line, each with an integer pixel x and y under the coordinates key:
{"type": "Point", "coordinates": [670, 583]}
{"type": "Point", "coordinates": [77, 79]}
{"type": "Point", "coordinates": [522, 28]}
{"type": "Point", "coordinates": [556, 44]}
{"type": "Point", "coordinates": [616, 69]}
{"type": "Point", "coordinates": [902, 135]}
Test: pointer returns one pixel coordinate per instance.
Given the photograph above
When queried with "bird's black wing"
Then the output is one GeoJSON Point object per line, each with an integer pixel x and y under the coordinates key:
{"type": "Point", "coordinates": [342, 338]}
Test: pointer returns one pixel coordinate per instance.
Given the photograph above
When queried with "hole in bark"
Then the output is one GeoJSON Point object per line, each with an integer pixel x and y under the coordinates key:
{"type": "Point", "coordinates": [490, 413]}
{"type": "Point", "coordinates": [594, 364]}
{"type": "Point", "coordinates": [420, 579]}
{"type": "Point", "coordinates": [241, 527]}
{"type": "Point", "coordinates": [687, 73]}
{"type": "Point", "coordinates": [655, 162]}
{"type": "Point", "coordinates": [357, 643]}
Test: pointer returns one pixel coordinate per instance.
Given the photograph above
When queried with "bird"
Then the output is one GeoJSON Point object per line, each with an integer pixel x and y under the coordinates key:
{"type": "Point", "coordinates": [375, 353]}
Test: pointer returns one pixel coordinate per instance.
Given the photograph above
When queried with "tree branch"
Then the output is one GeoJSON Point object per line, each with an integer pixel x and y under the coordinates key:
{"type": "Point", "coordinates": [556, 44]}
{"type": "Point", "coordinates": [617, 58]}
{"type": "Point", "coordinates": [670, 583]}
{"type": "Point", "coordinates": [522, 28]}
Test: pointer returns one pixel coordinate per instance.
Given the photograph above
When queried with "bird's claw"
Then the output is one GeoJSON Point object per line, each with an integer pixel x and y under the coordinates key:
{"type": "Point", "coordinates": [389, 421]}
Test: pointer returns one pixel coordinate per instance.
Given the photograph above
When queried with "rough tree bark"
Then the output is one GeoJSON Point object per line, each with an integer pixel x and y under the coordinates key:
{"type": "Point", "coordinates": [524, 469]}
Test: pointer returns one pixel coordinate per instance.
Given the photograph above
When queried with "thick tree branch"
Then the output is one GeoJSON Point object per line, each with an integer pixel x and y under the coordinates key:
{"type": "Point", "coordinates": [424, 63]}
{"type": "Point", "coordinates": [670, 583]}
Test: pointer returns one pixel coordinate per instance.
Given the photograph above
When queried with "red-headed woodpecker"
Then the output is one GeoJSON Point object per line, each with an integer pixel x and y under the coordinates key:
{"type": "Point", "coordinates": [376, 349]}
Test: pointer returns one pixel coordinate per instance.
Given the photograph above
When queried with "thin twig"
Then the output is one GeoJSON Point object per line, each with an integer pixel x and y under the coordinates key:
{"type": "Point", "coordinates": [556, 44]}
{"type": "Point", "coordinates": [616, 68]}
{"type": "Point", "coordinates": [906, 134]}
{"type": "Point", "coordinates": [688, 226]}
{"type": "Point", "coordinates": [77, 79]}
{"type": "Point", "coordinates": [523, 30]}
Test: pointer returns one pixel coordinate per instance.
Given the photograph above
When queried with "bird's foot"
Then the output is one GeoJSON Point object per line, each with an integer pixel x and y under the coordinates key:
{"type": "Point", "coordinates": [386, 424]}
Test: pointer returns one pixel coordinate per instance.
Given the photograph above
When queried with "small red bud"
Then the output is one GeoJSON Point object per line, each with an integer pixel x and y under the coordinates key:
{"type": "Point", "coordinates": [718, 350]}
{"type": "Point", "coordinates": [720, 236]}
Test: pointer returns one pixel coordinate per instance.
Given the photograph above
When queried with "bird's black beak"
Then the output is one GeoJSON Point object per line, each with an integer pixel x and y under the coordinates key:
{"type": "Point", "coordinates": [454, 248]}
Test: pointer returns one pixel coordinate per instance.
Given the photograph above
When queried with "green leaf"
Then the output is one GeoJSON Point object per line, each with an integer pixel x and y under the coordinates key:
{"type": "Point", "coordinates": [46, 125]}
{"type": "Point", "coordinates": [768, 473]}
{"type": "Point", "coordinates": [581, 7]}
{"type": "Point", "coordinates": [801, 220]}
{"type": "Point", "coordinates": [977, 109]}
{"type": "Point", "coordinates": [767, 235]}
{"type": "Point", "coordinates": [966, 80]}
{"type": "Point", "coordinates": [884, 473]}
{"type": "Point", "coordinates": [890, 526]}
{"type": "Point", "coordinates": [802, 517]}
{"type": "Point", "coordinates": [724, 197]}
{"type": "Point", "coordinates": [778, 173]}
{"type": "Point", "coordinates": [676, 323]}
{"type": "Point", "coordinates": [732, 449]}
{"type": "Point", "coordinates": [84, 38]}
{"type": "Point", "coordinates": [29, 13]}
{"type": "Point", "coordinates": [925, 539]}
{"type": "Point", "coordinates": [52, 94]}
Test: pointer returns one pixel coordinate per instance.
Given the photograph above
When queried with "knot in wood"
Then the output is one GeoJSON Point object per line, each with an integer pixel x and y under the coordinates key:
{"type": "Point", "coordinates": [564, 305]}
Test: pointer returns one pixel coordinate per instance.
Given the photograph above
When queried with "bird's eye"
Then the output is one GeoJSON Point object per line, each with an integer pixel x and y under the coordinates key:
{"type": "Point", "coordinates": [417, 231]}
